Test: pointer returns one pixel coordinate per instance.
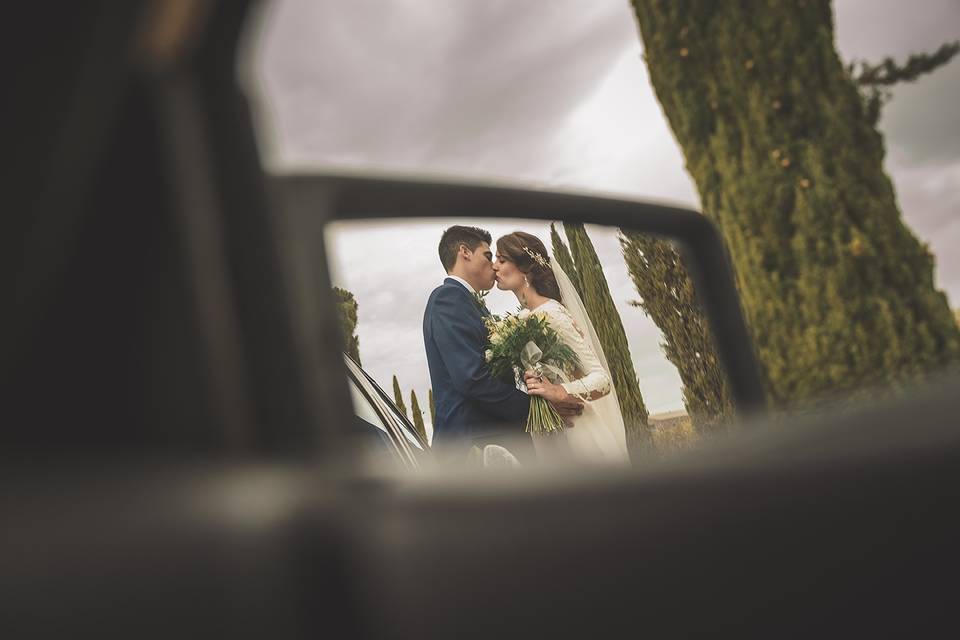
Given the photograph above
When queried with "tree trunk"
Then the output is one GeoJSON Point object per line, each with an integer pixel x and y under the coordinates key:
{"type": "Point", "coordinates": [838, 292]}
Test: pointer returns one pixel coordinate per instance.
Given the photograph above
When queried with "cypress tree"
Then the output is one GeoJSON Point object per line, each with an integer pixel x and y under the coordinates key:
{"type": "Point", "coordinates": [606, 320]}
{"type": "Point", "coordinates": [433, 408]}
{"type": "Point", "coordinates": [347, 312]}
{"type": "Point", "coordinates": [782, 146]}
{"type": "Point", "coordinates": [417, 416]}
{"type": "Point", "coordinates": [667, 296]}
{"type": "Point", "coordinates": [398, 396]}
{"type": "Point", "coordinates": [562, 255]}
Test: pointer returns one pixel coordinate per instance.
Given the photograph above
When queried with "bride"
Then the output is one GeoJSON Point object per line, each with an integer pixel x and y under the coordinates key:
{"type": "Point", "coordinates": [597, 436]}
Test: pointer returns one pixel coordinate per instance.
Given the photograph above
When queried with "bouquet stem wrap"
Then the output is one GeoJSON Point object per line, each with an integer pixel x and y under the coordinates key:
{"type": "Point", "coordinates": [527, 342]}
{"type": "Point", "coordinates": [543, 418]}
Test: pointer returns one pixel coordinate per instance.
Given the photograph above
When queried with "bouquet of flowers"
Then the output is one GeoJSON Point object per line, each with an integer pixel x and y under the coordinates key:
{"type": "Point", "coordinates": [525, 341]}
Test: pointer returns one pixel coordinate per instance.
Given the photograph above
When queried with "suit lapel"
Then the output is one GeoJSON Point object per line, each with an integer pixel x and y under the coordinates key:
{"type": "Point", "coordinates": [481, 308]}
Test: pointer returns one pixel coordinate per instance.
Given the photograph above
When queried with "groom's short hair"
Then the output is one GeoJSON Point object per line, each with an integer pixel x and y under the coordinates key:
{"type": "Point", "coordinates": [458, 235]}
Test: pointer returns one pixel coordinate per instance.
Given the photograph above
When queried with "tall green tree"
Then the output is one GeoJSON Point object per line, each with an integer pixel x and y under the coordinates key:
{"type": "Point", "coordinates": [398, 396]}
{"type": "Point", "coordinates": [562, 255]}
{"type": "Point", "coordinates": [596, 297]}
{"type": "Point", "coordinates": [433, 407]}
{"type": "Point", "coordinates": [347, 312]}
{"type": "Point", "coordinates": [417, 416]}
{"type": "Point", "coordinates": [667, 296]}
{"type": "Point", "coordinates": [782, 146]}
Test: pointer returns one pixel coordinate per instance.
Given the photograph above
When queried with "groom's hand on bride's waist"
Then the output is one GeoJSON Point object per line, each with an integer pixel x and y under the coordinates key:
{"type": "Point", "coordinates": [568, 409]}
{"type": "Point", "coordinates": [567, 406]}
{"type": "Point", "coordinates": [538, 385]}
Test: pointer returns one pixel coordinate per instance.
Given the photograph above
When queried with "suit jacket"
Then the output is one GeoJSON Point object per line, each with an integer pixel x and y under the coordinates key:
{"type": "Point", "coordinates": [470, 404]}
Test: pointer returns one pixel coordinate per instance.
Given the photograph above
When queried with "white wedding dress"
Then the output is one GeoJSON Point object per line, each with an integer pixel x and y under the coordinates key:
{"type": "Point", "coordinates": [598, 435]}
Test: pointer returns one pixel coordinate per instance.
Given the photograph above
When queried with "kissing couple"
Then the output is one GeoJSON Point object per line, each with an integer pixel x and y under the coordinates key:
{"type": "Point", "coordinates": [474, 410]}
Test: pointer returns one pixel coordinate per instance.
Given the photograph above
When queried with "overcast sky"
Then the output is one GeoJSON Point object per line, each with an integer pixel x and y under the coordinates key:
{"type": "Point", "coordinates": [545, 92]}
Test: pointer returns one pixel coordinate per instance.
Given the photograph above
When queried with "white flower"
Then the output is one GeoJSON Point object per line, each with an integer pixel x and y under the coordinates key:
{"type": "Point", "coordinates": [524, 314]}
{"type": "Point", "coordinates": [496, 338]}
{"type": "Point", "coordinates": [488, 355]}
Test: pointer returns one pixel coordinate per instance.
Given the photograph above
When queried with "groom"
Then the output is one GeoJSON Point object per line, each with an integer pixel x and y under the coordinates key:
{"type": "Point", "coordinates": [471, 407]}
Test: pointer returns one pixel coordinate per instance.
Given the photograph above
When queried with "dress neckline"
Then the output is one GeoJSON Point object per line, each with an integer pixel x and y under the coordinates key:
{"type": "Point", "coordinates": [541, 306]}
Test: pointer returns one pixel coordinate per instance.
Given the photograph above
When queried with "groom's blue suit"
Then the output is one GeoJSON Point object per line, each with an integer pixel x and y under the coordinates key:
{"type": "Point", "coordinates": [470, 405]}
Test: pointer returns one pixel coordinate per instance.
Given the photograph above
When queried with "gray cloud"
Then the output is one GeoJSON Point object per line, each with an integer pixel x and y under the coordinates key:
{"type": "Point", "coordinates": [443, 84]}
{"type": "Point", "coordinates": [922, 121]}
{"type": "Point", "coordinates": [875, 29]}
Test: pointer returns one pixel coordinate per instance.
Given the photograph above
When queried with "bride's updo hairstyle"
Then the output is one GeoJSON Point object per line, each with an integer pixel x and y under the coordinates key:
{"type": "Point", "coordinates": [515, 246]}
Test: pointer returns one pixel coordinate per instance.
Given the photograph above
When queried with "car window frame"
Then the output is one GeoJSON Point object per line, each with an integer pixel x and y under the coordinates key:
{"type": "Point", "coordinates": [310, 201]}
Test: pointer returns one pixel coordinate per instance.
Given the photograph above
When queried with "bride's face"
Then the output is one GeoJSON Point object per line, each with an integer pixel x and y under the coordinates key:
{"type": "Point", "coordinates": [509, 277]}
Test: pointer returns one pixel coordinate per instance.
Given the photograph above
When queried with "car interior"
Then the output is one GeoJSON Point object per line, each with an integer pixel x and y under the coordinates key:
{"type": "Point", "coordinates": [182, 450]}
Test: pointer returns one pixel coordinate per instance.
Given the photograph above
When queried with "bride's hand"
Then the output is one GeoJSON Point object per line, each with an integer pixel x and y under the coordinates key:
{"type": "Point", "coordinates": [540, 386]}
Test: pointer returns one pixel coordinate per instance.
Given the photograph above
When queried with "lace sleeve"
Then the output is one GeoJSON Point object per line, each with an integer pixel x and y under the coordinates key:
{"type": "Point", "coordinates": [593, 381]}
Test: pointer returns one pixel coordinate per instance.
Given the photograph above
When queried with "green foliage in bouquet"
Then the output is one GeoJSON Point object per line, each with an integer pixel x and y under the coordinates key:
{"type": "Point", "coordinates": [508, 336]}
{"type": "Point", "coordinates": [508, 356]}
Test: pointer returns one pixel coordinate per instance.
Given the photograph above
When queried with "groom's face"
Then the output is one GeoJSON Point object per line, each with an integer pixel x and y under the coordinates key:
{"type": "Point", "coordinates": [480, 267]}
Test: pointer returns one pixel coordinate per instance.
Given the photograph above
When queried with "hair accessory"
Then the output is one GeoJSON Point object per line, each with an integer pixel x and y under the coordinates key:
{"type": "Point", "coordinates": [536, 257]}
